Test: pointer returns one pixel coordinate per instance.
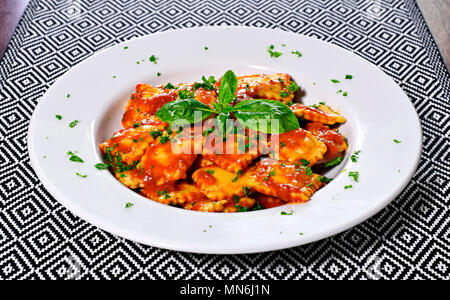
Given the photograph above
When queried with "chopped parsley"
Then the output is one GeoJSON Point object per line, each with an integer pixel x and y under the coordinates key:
{"type": "Point", "coordinates": [158, 74]}
{"type": "Point", "coordinates": [68, 96]}
{"type": "Point", "coordinates": [74, 157]}
{"type": "Point", "coordinates": [246, 191]}
{"type": "Point", "coordinates": [283, 213]}
{"type": "Point", "coordinates": [136, 125]}
{"type": "Point", "coordinates": [84, 176]}
{"type": "Point", "coordinates": [207, 84]}
{"type": "Point", "coordinates": [297, 53]}
{"type": "Point", "coordinates": [355, 175]}
{"type": "Point", "coordinates": [273, 54]}
{"type": "Point", "coordinates": [128, 205]}
{"type": "Point", "coordinates": [126, 47]}
{"type": "Point", "coordinates": [73, 123]}
{"type": "Point", "coordinates": [348, 186]}
{"type": "Point", "coordinates": [164, 139]}
{"type": "Point", "coordinates": [354, 156]}
{"type": "Point", "coordinates": [185, 94]}
{"type": "Point", "coordinates": [59, 117]}
{"type": "Point", "coordinates": [155, 133]}
{"type": "Point", "coordinates": [237, 176]}
{"type": "Point", "coordinates": [282, 144]}
{"type": "Point", "coordinates": [348, 76]}
{"type": "Point", "coordinates": [334, 162]}
{"type": "Point", "coordinates": [206, 48]}
{"type": "Point", "coordinates": [325, 179]}
{"type": "Point", "coordinates": [345, 94]}
{"type": "Point", "coordinates": [210, 172]}
{"type": "Point", "coordinates": [397, 141]}
{"type": "Point", "coordinates": [334, 81]}
{"type": "Point", "coordinates": [169, 86]}
{"type": "Point", "coordinates": [153, 59]}
{"type": "Point", "coordinates": [101, 166]}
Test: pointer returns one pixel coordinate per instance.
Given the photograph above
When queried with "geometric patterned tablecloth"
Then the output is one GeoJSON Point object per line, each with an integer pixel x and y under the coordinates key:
{"type": "Point", "coordinates": [40, 239]}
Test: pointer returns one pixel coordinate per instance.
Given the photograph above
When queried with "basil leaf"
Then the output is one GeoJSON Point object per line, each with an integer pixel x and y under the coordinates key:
{"type": "Point", "coordinates": [228, 87]}
{"type": "Point", "coordinates": [257, 115]}
{"type": "Point", "coordinates": [182, 111]}
{"type": "Point", "coordinates": [222, 124]}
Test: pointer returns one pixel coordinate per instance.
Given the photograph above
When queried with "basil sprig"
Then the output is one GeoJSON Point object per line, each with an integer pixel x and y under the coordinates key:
{"type": "Point", "coordinates": [255, 114]}
{"type": "Point", "coordinates": [258, 115]}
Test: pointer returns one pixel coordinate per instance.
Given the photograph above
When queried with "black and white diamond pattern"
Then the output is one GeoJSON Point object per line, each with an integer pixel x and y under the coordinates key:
{"type": "Point", "coordinates": [39, 239]}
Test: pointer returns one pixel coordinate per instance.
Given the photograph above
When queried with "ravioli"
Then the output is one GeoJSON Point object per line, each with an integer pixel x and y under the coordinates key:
{"type": "Point", "coordinates": [172, 193]}
{"type": "Point", "coordinates": [335, 142]}
{"type": "Point", "coordinates": [321, 113]}
{"type": "Point", "coordinates": [144, 104]}
{"type": "Point", "coordinates": [263, 86]}
{"type": "Point", "coordinates": [234, 154]}
{"type": "Point", "coordinates": [297, 145]}
{"type": "Point", "coordinates": [219, 184]}
{"type": "Point", "coordinates": [128, 145]}
{"type": "Point", "coordinates": [283, 180]}
{"type": "Point", "coordinates": [162, 162]}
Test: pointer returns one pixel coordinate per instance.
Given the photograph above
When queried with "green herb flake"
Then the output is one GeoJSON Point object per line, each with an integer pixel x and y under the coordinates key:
{"type": "Point", "coordinates": [128, 205]}
{"type": "Point", "coordinates": [348, 186]}
{"type": "Point", "coordinates": [101, 166]}
{"type": "Point", "coordinates": [334, 81]}
{"type": "Point", "coordinates": [83, 176]}
{"type": "Point", "coordinates": [345, 94]}
{"type": "Point", "coordinates": [273, 54]}
{"type": "Point", "coordinates": [153, 59]}
{"type": "Point", "coordinates": [237, 176]}
{"type": "Point", "coordinates": [354, 156]}
{"type": "Point", "coordinates": [334, 162]}
{"type": "Point", "coordinates": [283, 213]}
{"type": "Point", "coordinates": [297, 53]}
{"type": "Point", "coordinates": [355, 175]}
{"type": "Point", "coordinates": [68, 96]}
{"type": "Point", "coordinates": [59, 117]}
{"type": "Point", "coordinates": [73, 123]}
{"type": "Point", "coordinates": [158, 74]}
{"type": "Point", "coordinates": [210, 172]}
{"type": "Point", "coordinates": [348, 76]}
{"type": "Point", "coordinates": [74, 157]}
{"type": "Point", "coordinates": [397, 141]}
{"type": "Point", "coordinates": [206, 48]}
{"type": "Point", "coordinates": [126, 47]}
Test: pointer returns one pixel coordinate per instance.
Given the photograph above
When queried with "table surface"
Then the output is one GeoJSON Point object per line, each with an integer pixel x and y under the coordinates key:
{"type": "Point", "coordinates": [436, 13]}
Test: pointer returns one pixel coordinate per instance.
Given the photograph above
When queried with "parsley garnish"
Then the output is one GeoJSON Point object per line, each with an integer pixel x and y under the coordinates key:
{"type": "Point", "coordinates": [73, 123]}
{"type": "Point", "coordinates": [153, 59]}
{"type": "Point", "coordinates": [128, 204]}
{"type": "Point", "coordinates": [210, 172]}
{"type": "Point", "coordinates": [169, 86]}
{"type": "Point", "coordinates": [348, 76]}
{"type": "Point", "coordinates": [84, 176]}
{"type": "Point", "coordinates": [59, 117]}
{"type": "Point", "coordinates": [354, 156]}
{"type": "Point", "coordinates": [136, 125]}
{"type": "Point", "coordinates": [126, 47]}
{"type": "Point", "coordinates": [158, 74]}
{"type": "Point", "coordinates": [74, 157]}
{"type": "Point", "coordinates": [206, 48]}
{"type": "Point", "coordinates": [237, 176]}
{"type": "Point", "coordinates": [297, 53]}
{"type": "Point", "coordinates": [334, 162]}
{"type": "Point", "coordinates": [273, 54]}
{"type": "Point", "coordinates": [101, 166]}
{"type": "Point", "coordinates": [164, 139]}
{"type": "Point", "coordinates": [283, 213]}
{"type": "Point", "coordinates": [355, 175]}
{"type": "Point", "coordinates": [397, 141]}
{"type": "Point", "coordinates": [348, 186]}
{"type": "Point", "coordinates": [155, 133]}
{"type": "Point", "coordinates": [345, 94]}
{"type": "Point", "coordinates": [282, 144]}
{"type": "Point", "coordinates": [334, 81]}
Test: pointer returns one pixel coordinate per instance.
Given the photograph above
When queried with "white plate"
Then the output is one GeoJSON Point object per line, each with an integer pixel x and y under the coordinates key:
{"type": "Point", "coordinates": [377, 111]}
